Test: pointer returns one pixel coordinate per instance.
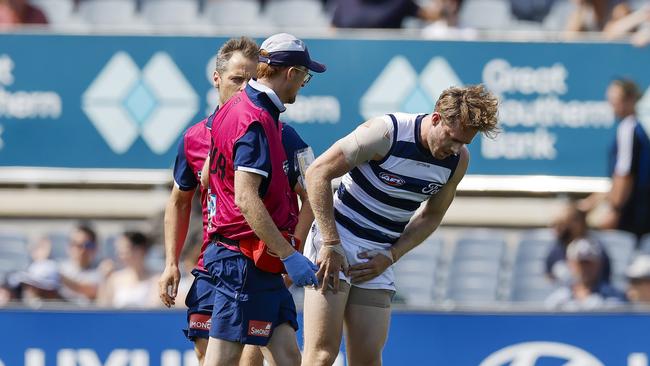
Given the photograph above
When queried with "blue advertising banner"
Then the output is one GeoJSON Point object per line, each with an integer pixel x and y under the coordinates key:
{"type": "Point", "coordinates": [47, 338]}
{"type": "Point", "coordinates": [124, 101]}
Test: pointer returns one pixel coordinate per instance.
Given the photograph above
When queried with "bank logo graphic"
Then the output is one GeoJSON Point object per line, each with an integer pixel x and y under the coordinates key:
{"type": "Point", "coordinates": [124, 102]}
{"type": "Point", "coordinates": [643, 109]}
{"type": "Point", "coordinates": [400, 88]}
{"type": "Point", "coordinates": [527, 354]}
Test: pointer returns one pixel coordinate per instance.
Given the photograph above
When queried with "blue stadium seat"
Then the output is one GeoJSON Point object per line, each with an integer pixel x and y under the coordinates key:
{"type": "Point", "coordinates": [14, 254]}
{"type": "Point", "coordinates": [620, 247]}
{"type": "Point", "coordinates": [233, 13]}
{"type": "Point", "coordinates": [558, 17]}
{"type": "Point", "coordinates": [108, 12]}
{"type": "Point", "coordinates": [59, 241]}
{"type": "Point", "coordinates": [415, 277]}
{"type": "Point", "coordinates": [57, 11]}
{"type": "Point", "coordinates": [171, 12]}
{"type": "Point", "coordinates": [485, 14]}
{"type": "Point", "coordinates": [310, 13]}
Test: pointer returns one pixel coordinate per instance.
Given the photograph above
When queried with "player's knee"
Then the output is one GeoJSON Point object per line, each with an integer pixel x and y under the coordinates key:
{"type": "Point", "coordinates": [323, 357]}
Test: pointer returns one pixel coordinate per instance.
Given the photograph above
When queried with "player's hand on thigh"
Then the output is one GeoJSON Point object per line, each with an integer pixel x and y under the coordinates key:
{"type": "Point", "coordinates": [168, 285]}
{"type": "Point", "coordinates": [331, 261]}
{"type": "Point", "coordinates": [378, 262]}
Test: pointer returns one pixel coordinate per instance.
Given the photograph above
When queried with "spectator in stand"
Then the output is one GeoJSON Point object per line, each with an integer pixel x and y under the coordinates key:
{"type": "Point", "coordinates": [16, 12]}
{"type": "Point", "coordinates": [41, 283]}
{"type": "Point", "coordinates": [638, 275]}
{"type": "Point", "coordinates": [134, 286]}
{"type": "Point", "coordinates": [531, 10]}
{"type": "Point", "coordinates": [628, 201]}
{"type": "Point", "coordinates": [80, 274]}
{"type": "Point", "coordinates": [8, 15]}
{"type": "Point", "coordinates": [625, 22]}
{"type": "Point", "coordinates": [391, 13]}
{"type": "Point", "coordinates": [571, 225]}
{"type": "Point", "coordinates": [587, 291]}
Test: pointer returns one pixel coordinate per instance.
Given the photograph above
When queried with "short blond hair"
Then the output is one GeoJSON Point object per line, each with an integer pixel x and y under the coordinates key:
{"type": "Point", "coordinates": [472, 106]}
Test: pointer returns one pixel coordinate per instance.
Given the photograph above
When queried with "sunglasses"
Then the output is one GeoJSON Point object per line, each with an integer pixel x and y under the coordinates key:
{"type": "Point", "coordinates": [85, 245]}
{"type": "Point", "coordinates": [307, 77]}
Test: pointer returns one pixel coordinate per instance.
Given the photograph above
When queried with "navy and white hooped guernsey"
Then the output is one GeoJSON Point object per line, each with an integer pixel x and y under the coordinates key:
{"type": "Point", "coordinates": [377, 199]}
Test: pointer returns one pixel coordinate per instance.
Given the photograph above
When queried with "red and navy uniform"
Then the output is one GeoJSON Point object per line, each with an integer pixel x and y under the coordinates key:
{"type": "Point", "coordinates": [246, 136]}
{"type": "Point", "coordinates": [192, 151]}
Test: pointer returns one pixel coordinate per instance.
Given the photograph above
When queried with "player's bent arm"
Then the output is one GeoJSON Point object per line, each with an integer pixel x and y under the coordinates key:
{"type": "Point", "coordinates": [369, 141]}
{"type": "Point", "coordinates": [427, 220]}
{"type": "Point", "coordinates": [258, 218]}
{"type": "Point", "coordinates": [306, 215]}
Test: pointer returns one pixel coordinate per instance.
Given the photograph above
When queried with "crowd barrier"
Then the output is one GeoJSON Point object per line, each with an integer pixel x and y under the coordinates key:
{"type": "Point", "coordinates": [92, 101]}
{"type": "Point", "coordinates": [154, 338]}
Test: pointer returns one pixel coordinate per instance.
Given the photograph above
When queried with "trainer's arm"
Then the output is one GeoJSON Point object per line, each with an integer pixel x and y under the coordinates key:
{"type": "Point", "coordinates": [176, 223]}
{"type": "Point", "coordinates": [427, 220]}
{"type": "Point", "coordinates": [251, 206]}
{"type": "Point", "coordinates": [305, 216]}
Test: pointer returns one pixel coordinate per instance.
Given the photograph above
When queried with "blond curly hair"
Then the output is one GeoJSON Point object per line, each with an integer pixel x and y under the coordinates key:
{"type": "Point", "coordinates": [472, 106]}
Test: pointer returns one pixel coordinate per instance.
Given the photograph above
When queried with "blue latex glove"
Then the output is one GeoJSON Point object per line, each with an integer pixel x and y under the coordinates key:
{"type": "Point", "coordinates": [301, 270]}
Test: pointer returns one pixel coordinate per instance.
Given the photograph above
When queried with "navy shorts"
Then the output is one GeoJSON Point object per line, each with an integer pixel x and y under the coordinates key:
{"type": "Point", "coordinates": [199, 301]}
{"type": "Point", "coordinates": [248, 303]}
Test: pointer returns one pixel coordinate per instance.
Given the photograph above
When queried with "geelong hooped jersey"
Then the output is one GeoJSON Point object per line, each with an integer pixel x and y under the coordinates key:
{"type": "Point", "coordinates": [377, 199]}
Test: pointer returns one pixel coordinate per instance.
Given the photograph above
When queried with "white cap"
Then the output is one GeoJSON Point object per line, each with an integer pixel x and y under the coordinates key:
{"type": "Point", "coordinates": [285, 49]}
{"type": "Point", "coordinates": [584, 249]}
{"type": "Point", "coordinates": [640, 267]}
{"type": "Point", "coordinates": [43, 275]}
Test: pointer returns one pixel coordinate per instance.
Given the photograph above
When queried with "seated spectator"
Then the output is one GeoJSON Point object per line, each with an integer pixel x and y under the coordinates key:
{"type": "Point", "coordinates": [134, 285]}
{"type": "Point", "coordinates": [41, 283]}
{"type": "Point", "coordinates": [15, 12]}
{"type": "Point", "coordinates": [569, 226]}
{"type": "Point", "coordinates": [627, 23]}
{"type": "Point", "coordinates": [8, 15]}
{"type": "Point", "coordinates": [638, 275]}
{"type": "Point", "coordinates": [531, 10]}
{"type": "Point", "coordinates": [391, 13]}
{"type": "Point", "coordinates": [587, 291]}
{"type": "Point", "coordinates": [80, 273]}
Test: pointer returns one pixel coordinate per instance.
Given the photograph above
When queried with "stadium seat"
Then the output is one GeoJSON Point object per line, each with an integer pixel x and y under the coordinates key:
{"type": "Point", "coordinates": [485, 14]}
{"type": "Point", "coordinates": [108, 12]}
{"type": "Point", "coordinates": [534, 245]}
{"type": "Point", "coordinates": [558, 17]}
{"type": "Point", "coordinates": [57, 11]}
{"type": "Point", "coordinates": [232, 13]}
{"type": "Point", "coordinates": [171, 12]}
{"type": "Point", "coordinates": [283, 13]}
{"type": "Point", "coordinates": [59, 241]}
{"type": "Point", "coordinates": [155, 259]}
{"type": "Point", "coordinates": [644, 244]}
{"type": "Point", "coordinates": [532, 290]}
{"type": "Point", "coordinates": [415, 273]}
{"type": "Point", "coordinates": [620, 248]}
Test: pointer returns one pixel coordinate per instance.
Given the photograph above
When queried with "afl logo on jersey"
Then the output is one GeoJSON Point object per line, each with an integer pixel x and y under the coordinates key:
{"type": "Point", "coordinates": [391, 179]}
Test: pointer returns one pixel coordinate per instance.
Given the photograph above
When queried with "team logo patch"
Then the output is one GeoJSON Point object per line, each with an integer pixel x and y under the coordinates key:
{"type": "Point", "coordinates": [259, 328]}
{"type": "Point", "coordinates": [391, 179]}
{"type": "Point", "coordinates": [200, 322]}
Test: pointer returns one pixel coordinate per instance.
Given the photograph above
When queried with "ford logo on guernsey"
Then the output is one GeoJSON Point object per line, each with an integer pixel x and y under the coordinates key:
{"type": "Point", "coordinates": [527, 354]}
{"type": "Point", "coordinates": [391, 179]}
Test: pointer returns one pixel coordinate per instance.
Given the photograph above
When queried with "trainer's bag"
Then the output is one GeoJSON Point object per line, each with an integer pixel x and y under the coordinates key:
{"type": "Point", "coordinates": [264, 259]}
